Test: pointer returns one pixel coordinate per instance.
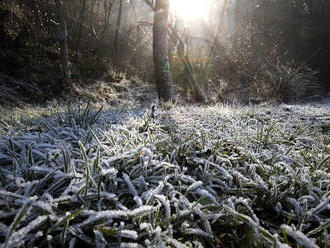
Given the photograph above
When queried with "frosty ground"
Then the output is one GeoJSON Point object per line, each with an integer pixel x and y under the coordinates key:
{"type": "Point", "coordinates": [194, 176]}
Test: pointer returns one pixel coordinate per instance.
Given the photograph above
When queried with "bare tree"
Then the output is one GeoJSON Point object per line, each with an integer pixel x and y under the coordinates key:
{"type": "Point", "coordinates": [107, 13]}
{"type": "Point", "coordinates": [163, 78]}
{"type": "Point", "coordinates": [62, 35]}
{"type": "Point", "coordinates": [116, 41]}
{"type": "Point", "coordinates": [81, 20]}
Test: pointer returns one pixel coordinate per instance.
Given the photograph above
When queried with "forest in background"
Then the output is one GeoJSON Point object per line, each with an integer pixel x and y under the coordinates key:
{"type": "Point", "coordinates": [275, 50]}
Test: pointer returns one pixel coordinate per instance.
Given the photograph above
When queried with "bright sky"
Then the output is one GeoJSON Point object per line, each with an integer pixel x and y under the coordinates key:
{"type": "Point", "coordinates": [191, 9]}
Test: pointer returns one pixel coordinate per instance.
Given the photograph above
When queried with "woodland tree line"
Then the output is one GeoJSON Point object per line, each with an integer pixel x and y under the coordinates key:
{"type": "Point", "coordinates": [263, 48]}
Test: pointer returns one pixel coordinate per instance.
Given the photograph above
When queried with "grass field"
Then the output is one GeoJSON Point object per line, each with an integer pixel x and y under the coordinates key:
{"type": "Point", "coordinates": [214, 176]}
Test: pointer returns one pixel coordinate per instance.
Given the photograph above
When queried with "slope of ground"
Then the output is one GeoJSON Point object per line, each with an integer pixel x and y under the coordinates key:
{"type": "Point", "coordinates": [216, 176]}
{"type": "Point", "coordinates": [30, 70]}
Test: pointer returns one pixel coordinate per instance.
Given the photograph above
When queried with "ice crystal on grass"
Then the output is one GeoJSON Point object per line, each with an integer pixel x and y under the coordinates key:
{"type": "Point", "coordinates": [18, 236]}
{"type": "Point", "coordinates": [301, 238]}
{"type": "Point", "coordinates": [195, 177]}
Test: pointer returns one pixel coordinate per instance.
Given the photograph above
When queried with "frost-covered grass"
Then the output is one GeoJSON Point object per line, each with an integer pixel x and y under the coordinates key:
{"type": "Point", "coordinates": [219, 176]}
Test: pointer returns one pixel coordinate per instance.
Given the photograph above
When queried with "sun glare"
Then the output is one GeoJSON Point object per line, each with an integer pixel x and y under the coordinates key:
{"type": "Point", "coordinates": [191, 9]}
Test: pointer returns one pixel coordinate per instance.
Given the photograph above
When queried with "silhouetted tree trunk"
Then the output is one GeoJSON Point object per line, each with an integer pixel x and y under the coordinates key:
{"type": "Point", "coordinates": [116, 41]}
{"type": "Point", "coordinates": [107, 13]}
{"type": "Point", "coordinates": [163, 78]}
{"type": "Point", "coordinates": [62, 36]}
{"type": "Point", "coordinates": [81, 20]}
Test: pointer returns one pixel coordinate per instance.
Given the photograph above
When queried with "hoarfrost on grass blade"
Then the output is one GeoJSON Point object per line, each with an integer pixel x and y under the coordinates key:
{"type": "Point", "coordinates": [176, 243]}
{"type": "Point", "coordinates": [96, 217]}
{"type": "Point", "coordinates": [18, 218]}
{"type": "Point", "coordinates": [198, 232]}
{"type": "Point", "coordinates": [130, 234]}
{"type": "Point", "coordinates": [111, 172]}
{"type": "Point", "coordinates": [19, 235]}
{"type": "Point", "coordinates": [166, 205]}
{"type": "Point", "coordinates": [130, 184]}
{"type": "Point", "coordinates": [301, 238]}
{"type": "Point", "coordinates": [130, 245]}
{"type": "Point", "coordinates": [141, 211]}
{"type": "Point", "coordinates": [195, 186]}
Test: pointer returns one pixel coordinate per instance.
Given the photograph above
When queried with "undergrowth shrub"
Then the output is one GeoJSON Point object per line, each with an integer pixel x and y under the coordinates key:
{"type": "Point", "coordinates": [180, 77]}
{"type": "Point", "coordinates": [288, 82]}
{"type": "Point", "coordinates": [241, 74]}
{"type": "Point", "coordinates": [202, 71]}
{"type": "Point", "coordinates": [28, 22]}
{"type": "Point", "coordinates": [273, 51]}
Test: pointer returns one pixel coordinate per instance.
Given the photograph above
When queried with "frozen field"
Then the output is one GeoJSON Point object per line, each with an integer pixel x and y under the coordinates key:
{"type": "Point", "coordinates": [215, 176]}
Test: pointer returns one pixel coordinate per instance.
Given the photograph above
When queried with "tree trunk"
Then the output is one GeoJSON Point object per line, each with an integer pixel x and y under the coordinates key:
{"type": "Point", "coordinates": [62, 35]}
{"type": "Point", "coordinates": [163, 78]}
{"type": "Point", "coordinates": [107, 13]}
{"type": "Point", "coordinates": [116, 41]}
{"type": "Point", "coordinates": [81, 20]}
